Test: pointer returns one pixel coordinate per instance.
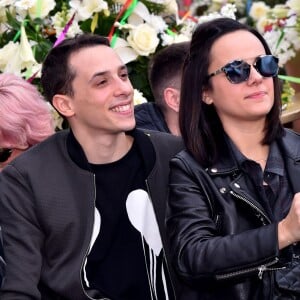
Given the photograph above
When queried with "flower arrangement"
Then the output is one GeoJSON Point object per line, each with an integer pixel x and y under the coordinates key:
{"type": "Point", "coordinates": [280, 26]}
{"type": "Point", "coordinates": [137, 29]}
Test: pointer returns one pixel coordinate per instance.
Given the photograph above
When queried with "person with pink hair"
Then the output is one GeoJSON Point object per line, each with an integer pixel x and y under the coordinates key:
{"type": "Point", "coordinates": [25, 117]}
{"type": "Point", "coordinates": [25, 120]}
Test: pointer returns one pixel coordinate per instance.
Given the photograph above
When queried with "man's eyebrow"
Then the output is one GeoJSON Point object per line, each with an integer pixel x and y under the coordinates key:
{"type": "Point", "coordinates": [98, 74]}
{"type": "Point", "coordinates": [121, 68]}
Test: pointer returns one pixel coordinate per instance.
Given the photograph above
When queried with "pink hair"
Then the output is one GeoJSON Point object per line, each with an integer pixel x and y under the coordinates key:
{"type": "Point", "coordinates": [25, 117]}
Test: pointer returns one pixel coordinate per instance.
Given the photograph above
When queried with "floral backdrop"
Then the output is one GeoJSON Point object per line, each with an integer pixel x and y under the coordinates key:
{"type": "Point", "coordinates": [137, 29]}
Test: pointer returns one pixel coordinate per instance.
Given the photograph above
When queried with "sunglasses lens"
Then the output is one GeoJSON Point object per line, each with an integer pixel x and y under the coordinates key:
{"type": "Point", "coordinates": [5, 154]}
{"type": "Point", "coordinates": [237, 71]}
{"type": "Point", "coordinates": [267, 65]}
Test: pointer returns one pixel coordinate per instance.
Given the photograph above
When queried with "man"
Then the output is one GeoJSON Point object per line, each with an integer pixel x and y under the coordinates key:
{"type": "Point", "coordinates": [79, 212]}
{"type": "Point", "coordinates": [165, 80]}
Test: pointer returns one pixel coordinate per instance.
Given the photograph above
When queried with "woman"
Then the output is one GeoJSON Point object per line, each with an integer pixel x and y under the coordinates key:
{"type": "Point", "coordinates": [234, 205]}
{"type": "Point", "coordinates": [25, 120]}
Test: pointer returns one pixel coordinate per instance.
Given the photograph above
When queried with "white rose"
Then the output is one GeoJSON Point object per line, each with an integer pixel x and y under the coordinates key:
{"type": "Point", "coordinates": [143, 39]}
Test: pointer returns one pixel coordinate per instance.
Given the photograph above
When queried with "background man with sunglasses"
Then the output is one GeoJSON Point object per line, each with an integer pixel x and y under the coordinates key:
{"type": "Point", "coordinates": [25, 121]}
{"type": "Point", "coordinates": [83, 212]}
{"type": "Point", "coordinates": [233, 216]}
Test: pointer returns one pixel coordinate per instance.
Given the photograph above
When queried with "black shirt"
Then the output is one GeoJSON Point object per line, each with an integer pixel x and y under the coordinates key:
{"type": "Point", "coordinates": [116, 263]}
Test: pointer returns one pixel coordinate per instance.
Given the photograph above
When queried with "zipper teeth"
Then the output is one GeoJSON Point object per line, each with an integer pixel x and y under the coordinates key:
{"type": "Point", "coordinates": [249, 270]}
{"type": "Point", "coordinates": [86, 252]}
{"type": "Point", "coordinates": [251, 204]}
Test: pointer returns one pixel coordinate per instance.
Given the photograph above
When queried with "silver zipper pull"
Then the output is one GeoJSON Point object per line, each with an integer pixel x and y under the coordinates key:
{"type": "Point", "coordinates": [261, 270]}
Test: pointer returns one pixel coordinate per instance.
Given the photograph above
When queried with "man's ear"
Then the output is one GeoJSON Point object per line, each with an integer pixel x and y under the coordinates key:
{"type": "Point", "coordinates": [172, 98]}
{"type": "Point", "coordinates": [63, 104]}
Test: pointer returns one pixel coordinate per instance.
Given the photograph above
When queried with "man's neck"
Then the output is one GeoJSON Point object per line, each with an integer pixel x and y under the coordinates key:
{"type": "Point", "coordinates": [103, 149]}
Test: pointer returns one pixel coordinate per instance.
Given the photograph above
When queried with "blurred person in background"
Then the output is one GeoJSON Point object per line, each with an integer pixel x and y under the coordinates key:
{"type": "Point", "coordinates": [25, 117]}
{"type": "Point", "coordinates": [25, 120]}
{"type": "Point", "coordinates": [164, 75]}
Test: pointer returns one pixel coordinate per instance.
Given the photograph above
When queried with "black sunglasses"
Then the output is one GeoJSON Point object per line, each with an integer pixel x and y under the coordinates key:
{"type": "Point", "coordinates": [5, 153]}
{"type": "Point", "coordinates": [238, 71]}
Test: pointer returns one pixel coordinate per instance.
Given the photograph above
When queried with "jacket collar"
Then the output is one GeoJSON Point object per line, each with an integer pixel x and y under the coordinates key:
{"type": "Point", "coordinates": [227, 163]}
{"type": "Point", "coordinates": [289, 145]}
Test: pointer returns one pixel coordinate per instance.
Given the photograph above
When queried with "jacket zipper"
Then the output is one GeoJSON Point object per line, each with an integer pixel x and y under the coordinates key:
{"type": "Point", "coordinates": [251, 204]}
{"type": "Point", "coordinates": [86, 252]}
{"type": "Point", "coordinates": [264, 268]}
{"type": "Point", "coordinates": [260, 270]}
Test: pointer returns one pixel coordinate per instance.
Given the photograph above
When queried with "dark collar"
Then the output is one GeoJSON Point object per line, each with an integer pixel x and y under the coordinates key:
{"type": "Point", "coordinates": [143, 143]}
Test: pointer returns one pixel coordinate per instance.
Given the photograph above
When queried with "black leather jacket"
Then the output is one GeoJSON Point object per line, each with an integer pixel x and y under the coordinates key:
{"type": "Point", "coordinates": [223, 244]}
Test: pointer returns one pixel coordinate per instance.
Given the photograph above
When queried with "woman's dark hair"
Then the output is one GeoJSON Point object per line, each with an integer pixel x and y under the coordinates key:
{"type": "Point", "coordinates": [199, 123]}
{"type": "Point", "coordinates": [57, 76]}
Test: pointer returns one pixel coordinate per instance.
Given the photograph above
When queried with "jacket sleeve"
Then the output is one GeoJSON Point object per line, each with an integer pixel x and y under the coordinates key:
{"type": "Point", "coordinates": [22, 237]}
{"type": "Point", "coordinates": [2, 262]}
{"type": "Point", "coordinates": [200, 253]}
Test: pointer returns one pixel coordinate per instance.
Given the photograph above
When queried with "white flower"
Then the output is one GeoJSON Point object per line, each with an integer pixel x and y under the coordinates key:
{"type": "Point", "coordinates": [158, 23]}
{"type": "Point", "coordinates": [283, 50]}
{"type": "Point", "coordinates": [279, 28]}
{"type": "Point", "coordinates": [41, 9]}
{"type": "Point", "coordinates": [16, 57]}
{"type": "Point", "coordinates": [143, 39]}
{"type": "Point", "coordinates": [171, 7]}
{"type": "Point", "coordinates": [86, 8]}
{"type": "Point", "coordinates": [26, 54]}
{"type": "Point", "coordinates": [168, 39]}
{"type": "Point", "coordinates": [4, 3]}
{"type": "Point", "coordinates": [24, 4]}
{"type": "Point", "coordinates": [139, 15]}
{"type": "Point", "coordinates": [57, 118]}
{"type": "Point", "coordinates": [280, 11]}
{"type": "Point", "coordinates": [59, 21]}
{"type": "Point", "coordinates": [138, 97]}
{"type": "Point", "coordinates": [258, 9]}
{"type": "Point", "coordinates": [10, 61]}
{"type": "Point", "coordinates": [125, 52]}
{"type": "Point", "coordinates": [228, 11]}
{"type": "Point", "coordinates": [294, 5]}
